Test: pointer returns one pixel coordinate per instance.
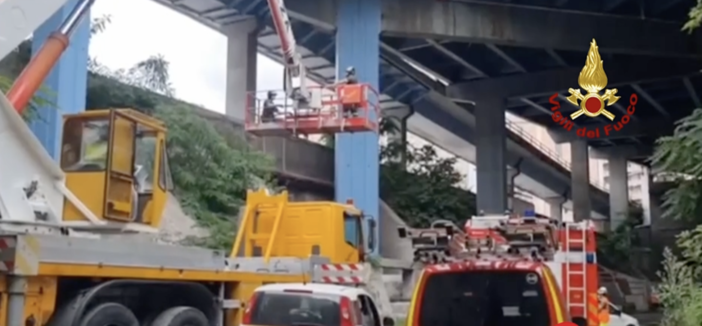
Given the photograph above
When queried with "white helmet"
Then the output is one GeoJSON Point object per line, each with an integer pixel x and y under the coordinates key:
{"type": "Point", "coordinates": [602, 290]}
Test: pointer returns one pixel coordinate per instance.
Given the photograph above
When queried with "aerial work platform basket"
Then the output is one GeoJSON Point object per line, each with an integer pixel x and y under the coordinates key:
{"type": "Point", "coordinates": [328, 110]}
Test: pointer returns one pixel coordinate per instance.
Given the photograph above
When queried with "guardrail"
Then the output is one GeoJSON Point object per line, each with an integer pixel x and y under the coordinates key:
{"type": "Point", "coordinates": [511, 126]}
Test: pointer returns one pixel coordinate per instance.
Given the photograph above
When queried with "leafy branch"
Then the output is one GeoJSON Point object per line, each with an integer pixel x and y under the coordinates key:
{"type": "Point", "coordinates": [680, 155]}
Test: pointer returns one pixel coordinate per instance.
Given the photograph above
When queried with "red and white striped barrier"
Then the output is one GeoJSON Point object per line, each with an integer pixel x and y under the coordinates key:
{"type": "Point", "coordinates": [7, 244]}
{"type": "Point", "coordinates": [343, 273]}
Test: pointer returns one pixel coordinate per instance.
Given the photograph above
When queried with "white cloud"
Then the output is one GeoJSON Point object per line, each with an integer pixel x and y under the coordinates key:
{"type": "Point", "coordinates": [197, 53]}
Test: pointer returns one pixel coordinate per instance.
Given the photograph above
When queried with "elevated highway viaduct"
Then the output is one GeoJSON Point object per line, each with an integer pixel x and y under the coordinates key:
{"type": "Point", "coordinates": [436, 117]}
{"type": "Point", "coordinates": [459, 66]}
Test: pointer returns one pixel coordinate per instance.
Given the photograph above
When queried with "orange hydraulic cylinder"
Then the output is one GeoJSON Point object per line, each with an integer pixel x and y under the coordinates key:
{"type": "Point", "coordinates": [39, 67]}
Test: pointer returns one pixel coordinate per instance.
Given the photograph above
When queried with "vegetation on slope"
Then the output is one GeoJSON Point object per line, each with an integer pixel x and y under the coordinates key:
{"type": "Point", "coordinates": [681, 155]}
{"type": "Point", "coordinates": [422, 187]}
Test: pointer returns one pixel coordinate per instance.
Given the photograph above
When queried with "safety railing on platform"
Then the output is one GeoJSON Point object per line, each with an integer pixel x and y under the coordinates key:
{"type": "Point", "coordinates": [325, 110]}
{"type": "Point", "coordinates": [513, 127]}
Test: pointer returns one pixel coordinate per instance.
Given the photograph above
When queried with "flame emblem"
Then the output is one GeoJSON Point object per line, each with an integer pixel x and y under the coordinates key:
{"type": "Point", "coordinates": [593, 79]}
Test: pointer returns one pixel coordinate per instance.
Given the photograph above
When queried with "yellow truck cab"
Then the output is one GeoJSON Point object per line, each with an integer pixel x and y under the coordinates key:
{"type": "Point", "coordinates": [487, 293]}
{"type": "Point", "coordinates": [273, 226]}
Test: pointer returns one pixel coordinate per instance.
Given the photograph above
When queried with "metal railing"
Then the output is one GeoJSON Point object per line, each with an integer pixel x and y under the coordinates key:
{"type": "Point", "coordinates": [513, 127]}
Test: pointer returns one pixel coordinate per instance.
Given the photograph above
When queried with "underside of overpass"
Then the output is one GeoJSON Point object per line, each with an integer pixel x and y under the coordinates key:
{"type": "Point", "coordinates": [451, 126]}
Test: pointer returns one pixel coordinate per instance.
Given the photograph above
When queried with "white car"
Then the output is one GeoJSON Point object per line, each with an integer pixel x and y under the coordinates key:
{"type": "Point", "coordinates": [618, 318]}
{"type": "Point", "coordinates": [312, 304]}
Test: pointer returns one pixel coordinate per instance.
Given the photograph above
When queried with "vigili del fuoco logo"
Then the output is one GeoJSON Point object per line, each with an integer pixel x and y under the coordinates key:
{"type": "Point", "coordinates": [590, 103]}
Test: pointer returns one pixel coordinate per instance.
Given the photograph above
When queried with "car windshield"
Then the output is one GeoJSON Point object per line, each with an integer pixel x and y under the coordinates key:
{"type": "Point", "coordinates": [295, 308]}
{"type": "Point", "coordinates": [484, 298]}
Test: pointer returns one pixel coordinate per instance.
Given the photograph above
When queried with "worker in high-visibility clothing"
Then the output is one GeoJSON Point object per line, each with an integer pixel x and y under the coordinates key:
{"type": "Point", "coordinates": [603, 300]}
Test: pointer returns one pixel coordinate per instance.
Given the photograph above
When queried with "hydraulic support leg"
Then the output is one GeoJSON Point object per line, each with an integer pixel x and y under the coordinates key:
{"type": "Point", "coordinates": [358, 45]}
{"type": "Point", "coordinates": [66, 85]}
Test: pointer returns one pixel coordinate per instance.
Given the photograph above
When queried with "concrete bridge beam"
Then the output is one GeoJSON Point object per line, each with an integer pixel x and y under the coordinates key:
{"type": "Point", "coordinates": [547, 28]}
{"type": "Point", "coordinates": [608, 131]}
{"type": "Point", "coordinates": [552, 81]}
{"type": "Point", "coordinates": [630, 152]}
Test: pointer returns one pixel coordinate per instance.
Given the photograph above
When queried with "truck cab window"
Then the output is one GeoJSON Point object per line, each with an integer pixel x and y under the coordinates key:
{"type": "Point", "coordinates": [478, 298]}
{"type": "Point", "coordinates": [352, 229]}
{"type": "Point", "coordinates": [144, 159]}
{"type": "Point", "coordinates": [165, 180]}
{"type": "Point", "coordinates": [85, 145]}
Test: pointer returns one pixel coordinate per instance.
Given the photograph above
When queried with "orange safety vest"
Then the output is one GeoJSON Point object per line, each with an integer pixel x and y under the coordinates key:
{"type": "Point", "coordinates": [604, 312]}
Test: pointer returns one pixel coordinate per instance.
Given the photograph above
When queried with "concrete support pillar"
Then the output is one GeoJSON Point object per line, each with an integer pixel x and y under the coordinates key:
{"type": "Point", "coordinates": [555, 205]}
{"type": "Point", "coordinates": [646, 197]}
{"type": "Point", "coordinates": [512, 174]}
{"type": "Point", "coordinates": [399, 117]}
{"type": "Point", "coordinates": [490, 156]}
{"type": "Point", "coordinates": [66, 84]}
{"type": "Point", "coordinates": [580, 180]}
{"type": "Point", "coordinates": [618, 190]}
{"type": "Point", "coordinates": [656, 205]}
{"type": "Point", "coordinates": [358, 45]}
{"type": "Point", "coordinates": [242, 46]}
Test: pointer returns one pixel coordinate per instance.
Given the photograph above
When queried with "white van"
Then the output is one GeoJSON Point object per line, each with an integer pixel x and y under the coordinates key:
{"type": "Point", "coordinates": [312, 304]}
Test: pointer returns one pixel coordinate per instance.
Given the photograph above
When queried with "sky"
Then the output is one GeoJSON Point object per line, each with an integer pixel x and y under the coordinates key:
{"type": "Point", "coordinates": [196, 53]}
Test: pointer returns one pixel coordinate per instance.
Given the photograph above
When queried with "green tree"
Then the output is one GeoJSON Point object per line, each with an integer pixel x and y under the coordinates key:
{"type": "Point", "coordinates": [422, 187]}
{"type": "Point", "coordinates": [680, 156]}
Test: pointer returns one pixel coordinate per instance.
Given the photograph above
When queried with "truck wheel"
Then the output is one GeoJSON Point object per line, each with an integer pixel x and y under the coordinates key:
{"type": "Point", "coordinates": [181, 316]}
{"type": "Point", "coordinates": [109, 314]}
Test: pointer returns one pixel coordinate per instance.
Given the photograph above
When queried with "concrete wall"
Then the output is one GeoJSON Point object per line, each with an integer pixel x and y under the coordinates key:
{"type": "Point", "coordinates": [391, 246]}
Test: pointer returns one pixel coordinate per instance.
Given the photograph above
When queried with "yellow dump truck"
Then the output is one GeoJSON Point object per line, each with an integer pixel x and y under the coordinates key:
{"type": "Point", "coordinates": [58, 268]}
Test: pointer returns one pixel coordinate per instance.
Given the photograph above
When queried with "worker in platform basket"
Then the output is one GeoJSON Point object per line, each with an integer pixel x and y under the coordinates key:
{"type": "Point", "coordinates": [349, 79]}
{"type": "Point", "coordinates": [603, 300]}
{"type": "Point", "coordinates": [270, 109]}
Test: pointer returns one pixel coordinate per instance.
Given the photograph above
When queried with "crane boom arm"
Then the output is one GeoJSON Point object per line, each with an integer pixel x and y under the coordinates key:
{"type": "Point", "coordinates": [20, 18]}
{"type": "Point", "coordinates": [295, 76]}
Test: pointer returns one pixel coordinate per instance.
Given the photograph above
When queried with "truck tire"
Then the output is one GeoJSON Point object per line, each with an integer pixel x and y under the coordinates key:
{"type": "Point", "coordinates": [109, 314]}
{"type": "Point", "coordinates": [181, 316]}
